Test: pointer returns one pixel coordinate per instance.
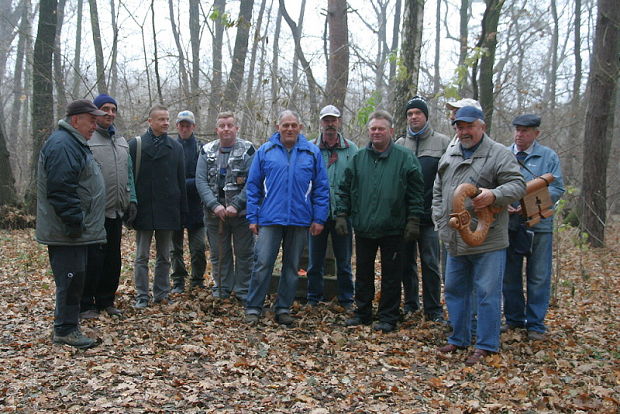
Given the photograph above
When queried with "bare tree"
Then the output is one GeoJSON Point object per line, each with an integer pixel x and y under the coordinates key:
{"type": "Point", "coordinates": [7, 182]}
{"type": "Point", "coordinates": [395, 32]}
{"type": "Point", "coordinates": [113, 78]}
{"type": "Point", "coordinates": [155, 54]}
{"type": "Point", "coordinates": [463, 36]}
{"type": "Point", "coordinates": [483, 88]}
{"type": "Point", "coordinates": [42, 87]}
{"type": "Point", "coordinates": [275, 75]}
{"type": "Point", "coordinates": [183, 78]}
{"type": "Point", "coordinates": [59, 76]}
{"type": "Point", "coordinates": [338, 63]}
{"type": "Point", "coordinates": [436, 76]}
{"type": "Point", "coordinates": [218, 16]}
{"type": "Point", "coordinates": [406, 84]}
{"type": "Point", "coordinates": [550, 86]}
{"type": "Point", "coordinates": [77, 76]}
{"type": "Point", "coordinates": [194, 33]}
{"type": "Point", "coordinates": [602, 84]}
{"type": "Point", "coordinates": [94, 21]}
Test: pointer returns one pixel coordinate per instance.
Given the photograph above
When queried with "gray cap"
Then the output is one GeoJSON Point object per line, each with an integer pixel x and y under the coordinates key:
{"type": "Point", "coordinates": [527, 120]}
{"type": "Point", "coordinates": [329, 110]}
{"type": "Point", "coordinates": [83, 106]}
{"type": "Point", "coordinates": [186, 116]}
{"type": "Point", "coordinates": [463, 102]}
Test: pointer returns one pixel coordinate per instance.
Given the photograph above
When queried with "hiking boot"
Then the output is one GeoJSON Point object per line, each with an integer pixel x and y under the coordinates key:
{"type": "Point", "coordinates": [384, 327]}
{"type": "Point", "coordinates": [113, 311]}
{"type": "Point", "coordinates": [252, 318]}
{"type": "Point", "coordinates": [284, 319]}
{"type": "Point", "coordinates": [356, 321]}
{"type": "Point", "coordinates": [141, 304]}
{"type": "Point", "coordinates": [536, 336]}
{"type": "Point", "coordinates": [89, 314]}
{"type": "Point", "coordinates": [76, 339]}
{"type": "Point", "coordinates": [177, 289]}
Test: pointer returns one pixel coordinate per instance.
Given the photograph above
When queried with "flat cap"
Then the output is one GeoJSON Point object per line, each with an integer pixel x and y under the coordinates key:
{"type": "Point", "coordinates": [468, 114]}
{"type": "Point", "coordinates": [83, 106]}
{"type": "Point", "coordinates": [527, 120]}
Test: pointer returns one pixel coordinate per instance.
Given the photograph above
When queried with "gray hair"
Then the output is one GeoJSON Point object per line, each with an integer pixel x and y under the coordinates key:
{"type": "Point", "coordinates": [288, 112]}
{"type": "Point", "coordinates": [381, 114]}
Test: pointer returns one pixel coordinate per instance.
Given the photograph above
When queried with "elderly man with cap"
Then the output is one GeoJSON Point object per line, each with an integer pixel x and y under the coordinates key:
{"type": "Point", "coordinates": [454, 106]}
{"type": "Point", "coordinates": [71, 204]}
{"type": "Point", "coordinates": [428, 146]}
{"type": "Point", "coordinates": [111, 152]}
{"type": "Point", "coordinates": [336, 151]}
{"type": "Point", "coordinates": [491, 167]}
{"type": "Point", "coordinates": [535, 160]}
{"type": "Point", "coordinates": [193, 221]}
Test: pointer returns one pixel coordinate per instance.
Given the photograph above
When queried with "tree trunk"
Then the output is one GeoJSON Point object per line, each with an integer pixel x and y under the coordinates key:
{"type": "Point", "coordinates": [59, 76]}
{"type": "Point", "coordinates": [77, 74]}
{"type": "Point", "coordinates": [395, 31]}
{"type": "Point", "coordinates": [406, 85]}
{"type": "Point", "coordinates": [7, 182]}
{"type": "Point", "coordinates": [295, 77]}
{"type": "Point", "coordinates": [113, 79]}
{"type": "Point", "coordinates": [94, 20]}
{"type": "Point", "coordinates": [250, 100]}
{"type": "Point", "coordinates": [550, 86]}
{"type": "Point", "coordinates": [338, 67]}
{"type": "Point", "coordinates": [183, 79]}
{"type": "Point", "coordinates": [275, 73]}
{"type": "Point", "coordinates": [601, 94]}
{"type": "Point", "coordinates": [194, 33]}
{"type": "Point", "coordinates": [463, 36]}
{"type": "Point", "coordinates": [488, 42]}
{"type": "Point", "coordinates": [219, 10]}
{"type": "Point", "coordinates": [42, 89]}
{"type": "Point", "coordinates": [237, 69]}
{"type": "Point", "coordinates": [155, 56]}
{"type": "Point", "coordinates": [436, 76]}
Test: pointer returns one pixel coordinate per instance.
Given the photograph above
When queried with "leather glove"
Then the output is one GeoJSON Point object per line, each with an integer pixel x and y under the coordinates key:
{"type": "Point", "coordinates": [341, 226]}
{"type": "Point", "coordinates": [74, 231]}
{"type": "Point", "coordinates": [412, 229]}
{"type": "Point", "coordinates": [130, 214]}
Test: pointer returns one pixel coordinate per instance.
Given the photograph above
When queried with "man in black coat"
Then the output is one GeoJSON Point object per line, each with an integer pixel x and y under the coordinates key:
{"type": "Point", "coordinates": [159, 171]}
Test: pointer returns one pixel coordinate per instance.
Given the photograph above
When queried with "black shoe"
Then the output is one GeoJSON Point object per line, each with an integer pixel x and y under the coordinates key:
{"type": "Point", "coordinates": [356, 321]}
{"type": "Point", "coordinates": [284, 319]}
{"type": "Point", "coordinates": [113, 311]}
{"type": "Point", "coordinates": [438, 318]}
{"type": "Point", "coordinates": [76, 339]}
{"type": "Point", "coordinates": [384, 327]}
{"type": "Point", "coordinates": [177, 289]}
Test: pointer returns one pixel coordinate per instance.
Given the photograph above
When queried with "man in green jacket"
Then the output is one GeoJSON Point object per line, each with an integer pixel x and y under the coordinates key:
{"type": "Point", "coordinates": [337, 151]}
{"type": "Point", "coordinates": [382, 192]}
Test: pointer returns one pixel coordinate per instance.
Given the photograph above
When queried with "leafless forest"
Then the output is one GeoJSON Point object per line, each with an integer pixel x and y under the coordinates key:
{"type": "Point", "coordinates": [558, 58]}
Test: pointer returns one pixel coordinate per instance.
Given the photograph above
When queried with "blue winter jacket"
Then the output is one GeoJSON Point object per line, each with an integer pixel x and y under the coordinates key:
{"type": "Point", "coordinates": [543, 160]}
{"type": "Point", "coordinates": [287, 189]}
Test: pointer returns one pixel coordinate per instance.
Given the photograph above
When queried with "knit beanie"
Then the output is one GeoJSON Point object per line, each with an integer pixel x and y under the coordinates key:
{"type": "Point", "coordinates": [419, 103]}
{"type": "Point", "coordinates": [103, 99]}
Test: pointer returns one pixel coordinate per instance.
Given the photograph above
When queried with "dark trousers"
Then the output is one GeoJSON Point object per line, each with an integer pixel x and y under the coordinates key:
{"type": "Point", "coordinates": [391, 271]}
{"type": "Point", "coordinates": [104, 268]}
{"type": "Point", "coordinates": [69, 267]}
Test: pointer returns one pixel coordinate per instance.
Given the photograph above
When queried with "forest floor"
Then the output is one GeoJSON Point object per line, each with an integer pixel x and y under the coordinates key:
{"type": "Point", "coordinates": [197, 356]}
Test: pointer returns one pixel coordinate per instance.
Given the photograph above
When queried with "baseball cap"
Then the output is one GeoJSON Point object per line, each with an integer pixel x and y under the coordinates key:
{"type": "Point", "coordinates": [186, 116]}
{"type": "Point", "coordinates": [468, 114]}
{"type": "Point", "coordinates": [83, 106]}
{"type": "Point", "coordinates": [463, 102]}
{"type": "Point", "coordinates": [329, 110]}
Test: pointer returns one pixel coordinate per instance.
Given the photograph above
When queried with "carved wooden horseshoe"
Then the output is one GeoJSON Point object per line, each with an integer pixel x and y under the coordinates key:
{"type": "Point", "coordinates": [461, 219]}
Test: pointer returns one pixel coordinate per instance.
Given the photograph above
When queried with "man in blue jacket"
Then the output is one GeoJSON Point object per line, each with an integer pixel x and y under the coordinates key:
{"type": "Point", "coordinates": [287, 193]}
{"type": "Point", "coordinates": [535, 160]}
{"type": "Point", "coordinates": [70, 213]}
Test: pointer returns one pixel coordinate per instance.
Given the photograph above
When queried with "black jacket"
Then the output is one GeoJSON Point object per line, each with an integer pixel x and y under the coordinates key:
{"type": "Point", "coordinates": [160, 183]}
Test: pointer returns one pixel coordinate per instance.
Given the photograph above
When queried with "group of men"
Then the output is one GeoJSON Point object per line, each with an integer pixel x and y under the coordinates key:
{"type": "Point", "coordinates": [394, 196]}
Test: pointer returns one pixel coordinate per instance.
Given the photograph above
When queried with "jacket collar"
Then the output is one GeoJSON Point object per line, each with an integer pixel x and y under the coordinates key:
{"type": "Point", "coordinates": [302, 142]}
{"type": "Point", "coordinates": [342, 143]}
{"type": "Point", "coordinates": [69, 128]}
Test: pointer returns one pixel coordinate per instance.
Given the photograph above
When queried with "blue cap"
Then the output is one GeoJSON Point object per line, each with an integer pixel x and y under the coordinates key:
{"type": "Point", "coordinates": [527, 120]}
{"type": "Point", "coordinates": [468, 114]}
{"type": "Point", "coordinates": [103, 99]}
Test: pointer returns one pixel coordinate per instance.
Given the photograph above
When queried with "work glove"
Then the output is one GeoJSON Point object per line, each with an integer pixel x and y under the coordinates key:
{"type": "Point", "coordinates": [341, 226]}
{"type": "Point", "coordinates": [130, 214]}
{"type": "Point", "coordinates": [412, 229]}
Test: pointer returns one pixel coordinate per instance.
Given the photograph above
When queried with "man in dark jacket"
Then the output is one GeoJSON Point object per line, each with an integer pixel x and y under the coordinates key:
{"type": "Point", "coordinates": [193, 220]}
{"type": "Point", "coordinates": [111, 152]}
{"type": "Point", "coordinates": [159, 170]}
{"type": "Point", "coordinates": [70, 213]}
{"type": "Point", "coordinates": [382, 193]}
{"type": "Point", "coordinates": [428, 147]}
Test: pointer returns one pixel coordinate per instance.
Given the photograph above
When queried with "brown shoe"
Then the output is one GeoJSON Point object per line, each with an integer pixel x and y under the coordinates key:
{"type": "Point", "coordinates": [449, 349]}
{"type": "Point", "coordinates": [476, 357]}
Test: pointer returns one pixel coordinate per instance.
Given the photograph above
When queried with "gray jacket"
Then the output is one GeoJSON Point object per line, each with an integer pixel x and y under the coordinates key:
{"type": "Point", "coordinates": [207, 173]}
{"type": "Point", "coordinates": [70, 191]}
{"type": "Point", "coordinates": [112, 154]}
{"type": "Point", "coordinates": [491, 166]}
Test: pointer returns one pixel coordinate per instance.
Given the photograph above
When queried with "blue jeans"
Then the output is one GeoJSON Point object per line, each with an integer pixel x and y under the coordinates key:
{"type": "Point", "coordinates": [428, 244]}
{"type": "Point", "coordinates": [483, 272]}
{"type": "Point", "coordinates": [292, 239]}
{"type": "Point", "coordinates": [530, 314]}
{"type": "Point", "coordinates": [317, 247]}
